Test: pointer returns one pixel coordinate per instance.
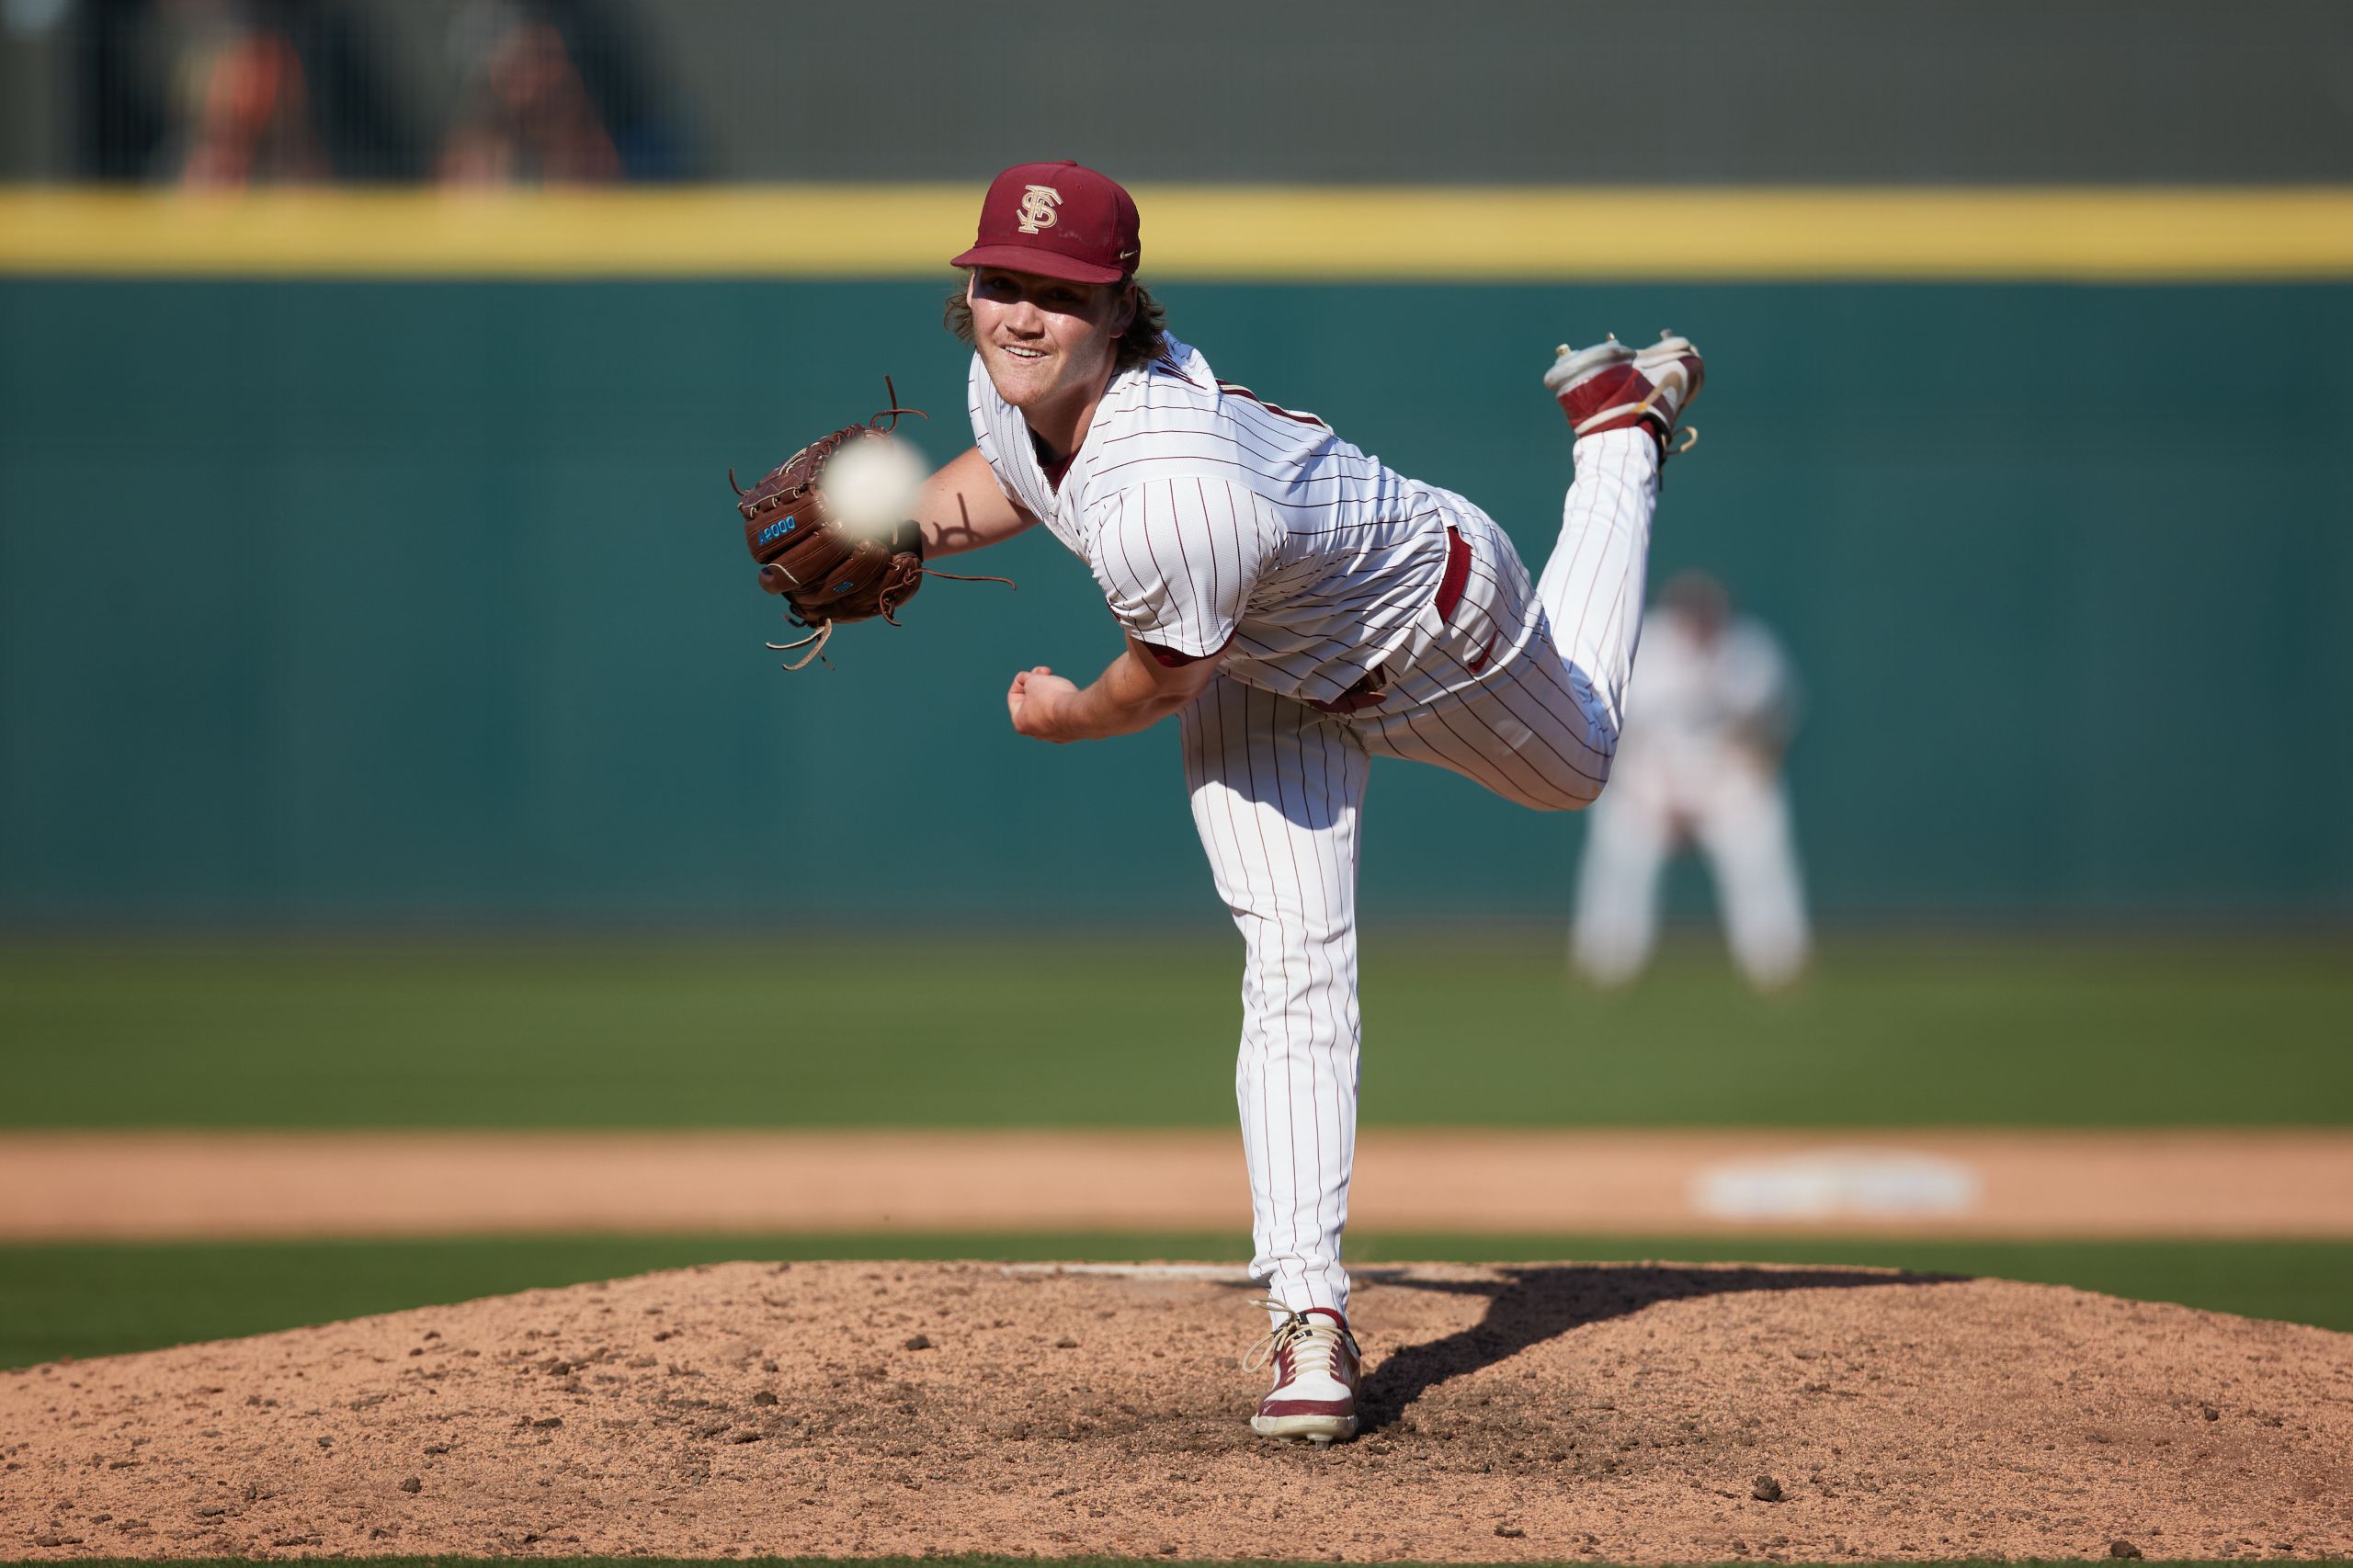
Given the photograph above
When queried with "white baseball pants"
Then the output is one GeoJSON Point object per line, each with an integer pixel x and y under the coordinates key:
{"type": "Point", "coordinates": [1277, 786]}
{"type": "Point", "coordinates": [1734, 808]}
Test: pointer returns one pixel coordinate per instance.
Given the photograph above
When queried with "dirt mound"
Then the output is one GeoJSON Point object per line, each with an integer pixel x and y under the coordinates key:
{"type": "Point", "coordinates": [1637, 1414]}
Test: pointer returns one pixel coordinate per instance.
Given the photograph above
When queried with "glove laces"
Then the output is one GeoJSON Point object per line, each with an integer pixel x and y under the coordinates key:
{"type": "Point", "coordinates": [816, 642]}
{"type": "Point", "coordinates": [1313, 1343]}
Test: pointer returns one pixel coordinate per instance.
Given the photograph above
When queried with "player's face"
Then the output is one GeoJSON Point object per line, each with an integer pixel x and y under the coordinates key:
{"type": "Point", "coordinates": [1045, 341]}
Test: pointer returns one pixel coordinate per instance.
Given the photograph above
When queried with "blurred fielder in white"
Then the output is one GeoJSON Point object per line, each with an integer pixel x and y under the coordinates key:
{"type": "Point", "coordinates": [1709, 713]}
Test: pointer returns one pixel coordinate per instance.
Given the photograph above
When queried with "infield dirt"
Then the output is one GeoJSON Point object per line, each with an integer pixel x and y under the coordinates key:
{"type": "Point", "coordinates": [1630, 1413]}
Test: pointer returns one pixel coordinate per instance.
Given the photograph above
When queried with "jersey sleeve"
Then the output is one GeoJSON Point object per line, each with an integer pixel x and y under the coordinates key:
{"type": "Point", "coordinates": [1177, 557]}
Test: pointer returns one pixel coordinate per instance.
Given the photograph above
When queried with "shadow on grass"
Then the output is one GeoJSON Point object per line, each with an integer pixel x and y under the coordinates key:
{"type": "Point", "coordinates": [1533, 1304]}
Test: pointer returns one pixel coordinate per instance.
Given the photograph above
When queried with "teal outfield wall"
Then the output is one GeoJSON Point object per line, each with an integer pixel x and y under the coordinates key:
{"type": "Point", "coordinates": [370, 601]}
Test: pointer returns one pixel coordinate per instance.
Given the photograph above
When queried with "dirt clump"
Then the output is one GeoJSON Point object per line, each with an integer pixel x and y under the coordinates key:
{"type": "Point", "coordinates": [1627, 1412]}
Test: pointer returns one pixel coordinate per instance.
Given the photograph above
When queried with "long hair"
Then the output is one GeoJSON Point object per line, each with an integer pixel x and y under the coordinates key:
{"type": "Point", "coordinates": [1144, 341]}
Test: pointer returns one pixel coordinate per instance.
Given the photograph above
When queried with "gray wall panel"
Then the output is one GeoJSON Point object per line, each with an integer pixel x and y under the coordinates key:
{"type": "Point", "coordinates": [1529, 91]}
{"type": "Point", "coordinates": [1510, 91]}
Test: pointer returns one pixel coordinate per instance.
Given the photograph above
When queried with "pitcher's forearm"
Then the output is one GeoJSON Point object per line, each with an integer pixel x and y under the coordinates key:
{"type": "Point", "coordinates": [1134, 693]}
{"type": "Point", "coordinates": [960, 508]}
{"type": "Point", "coordinates": [1119, 703]}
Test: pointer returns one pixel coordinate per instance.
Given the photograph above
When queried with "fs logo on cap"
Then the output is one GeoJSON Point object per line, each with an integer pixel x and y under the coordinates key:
{"type": "Point", "coordinates": [1038, 204]}
{"type": "Point", "coordinates": [1055, 219]}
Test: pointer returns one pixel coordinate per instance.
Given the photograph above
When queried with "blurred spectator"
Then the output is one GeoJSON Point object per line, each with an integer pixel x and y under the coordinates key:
{"type": "Point", "coordinates": [554, 93]}
{"type": "Point", "coordinates": [1709, 713]}
{"type": "Point", "coordinates": [526, 116]}
{"type": "Point", "coordinates": [235, 92]}
{"type": "Point", "coordinates": [248, 92]}
{"type": "Point", "coordinates": [241, 102]}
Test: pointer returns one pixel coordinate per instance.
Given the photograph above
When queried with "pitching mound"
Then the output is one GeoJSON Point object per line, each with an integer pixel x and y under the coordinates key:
{"type": "Point", "coordinates": [1633, 1413]}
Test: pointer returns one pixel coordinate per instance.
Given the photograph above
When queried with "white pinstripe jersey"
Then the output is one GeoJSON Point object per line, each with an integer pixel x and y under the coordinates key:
{"type": "Point", "coordinates": [1209, 517]}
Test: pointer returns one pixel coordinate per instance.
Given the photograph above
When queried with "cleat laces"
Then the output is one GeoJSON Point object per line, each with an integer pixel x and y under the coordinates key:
{"type": "Point", "coordinates": [1314, 1345]}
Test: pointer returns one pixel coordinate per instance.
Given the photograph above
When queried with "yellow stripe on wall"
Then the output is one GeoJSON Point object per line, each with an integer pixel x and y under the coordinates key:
{"type": "Point", "coordinates": [1236, 233]}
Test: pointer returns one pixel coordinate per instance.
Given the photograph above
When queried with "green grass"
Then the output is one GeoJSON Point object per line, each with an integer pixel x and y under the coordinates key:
{"type": "Point", "coordinates": [1043, 1030]}
{"type": "Point", "coordinates": [94, 1300]}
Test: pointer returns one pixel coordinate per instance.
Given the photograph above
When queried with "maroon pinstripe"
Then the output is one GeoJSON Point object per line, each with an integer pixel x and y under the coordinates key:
{"type": "Point", "coordinates": [1214, 523]}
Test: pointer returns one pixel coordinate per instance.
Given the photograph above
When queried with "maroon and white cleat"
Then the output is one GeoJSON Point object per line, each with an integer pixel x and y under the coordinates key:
{"type": "Point", "coordinates": [1612, 386]}
{"type": "Point", "coordinates": [1316, 1366]}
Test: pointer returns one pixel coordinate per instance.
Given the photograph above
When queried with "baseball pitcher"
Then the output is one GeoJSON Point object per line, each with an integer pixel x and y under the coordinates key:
{"type": "Point", "coordinates": [1301, 608]}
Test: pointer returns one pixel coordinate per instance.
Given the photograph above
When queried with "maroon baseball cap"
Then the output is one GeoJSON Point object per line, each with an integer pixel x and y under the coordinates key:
{"type": "Point", "coordinates": [1059, 220]}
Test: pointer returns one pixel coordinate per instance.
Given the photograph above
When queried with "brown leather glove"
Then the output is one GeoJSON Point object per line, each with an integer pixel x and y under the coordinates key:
{"type": "Point", "coordinates": [825, 575]}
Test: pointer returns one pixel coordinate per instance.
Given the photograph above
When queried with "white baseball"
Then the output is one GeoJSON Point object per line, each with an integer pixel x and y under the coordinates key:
{"type": "Point", "coordinates": [871, 484]}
